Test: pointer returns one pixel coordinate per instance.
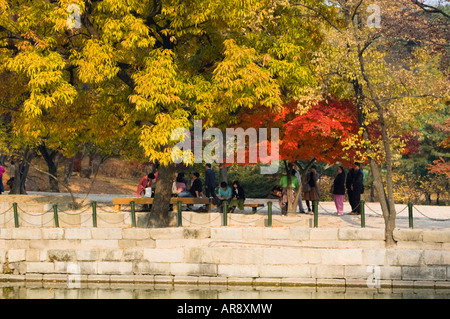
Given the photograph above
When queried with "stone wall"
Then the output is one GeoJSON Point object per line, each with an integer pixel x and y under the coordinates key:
{"type": "Point", "coordinates": [227, 255]}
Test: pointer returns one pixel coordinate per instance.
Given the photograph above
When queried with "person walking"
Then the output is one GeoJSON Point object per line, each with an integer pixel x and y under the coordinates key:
{"type": "Point", "coordinates": [338, 190]}
{"type": "Point", "coordinates": [310, 188]}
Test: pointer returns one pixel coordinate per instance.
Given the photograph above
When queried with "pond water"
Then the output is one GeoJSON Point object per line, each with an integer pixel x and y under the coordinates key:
{"type": "Point", "coordinates": [16, 290]}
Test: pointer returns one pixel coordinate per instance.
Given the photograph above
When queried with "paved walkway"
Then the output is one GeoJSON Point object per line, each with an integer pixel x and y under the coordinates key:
{"type": "Point", "coordinates": [425, 217]}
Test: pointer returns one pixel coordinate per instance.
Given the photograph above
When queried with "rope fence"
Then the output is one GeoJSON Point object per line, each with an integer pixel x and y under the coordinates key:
{"type": "Point", "coordinates": [26, 218]}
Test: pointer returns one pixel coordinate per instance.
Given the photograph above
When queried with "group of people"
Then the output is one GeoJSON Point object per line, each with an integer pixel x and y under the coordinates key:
{"type": "Point", "coordinates": [182, 187]}
{"type": "Point", "coordinates": [235, 195]}
{"type": "Point", "coordinates": [353, 183]}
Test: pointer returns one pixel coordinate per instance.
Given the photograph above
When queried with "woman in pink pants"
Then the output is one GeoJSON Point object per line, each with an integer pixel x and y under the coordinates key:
{"type": "Point", "coordinates": [339, 190]}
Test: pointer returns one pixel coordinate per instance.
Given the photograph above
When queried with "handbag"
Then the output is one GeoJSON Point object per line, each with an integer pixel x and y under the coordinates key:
{"type": "Point", "coordinates": [306, 188]}
{"type": "Point", "coordinates": [332, 189]}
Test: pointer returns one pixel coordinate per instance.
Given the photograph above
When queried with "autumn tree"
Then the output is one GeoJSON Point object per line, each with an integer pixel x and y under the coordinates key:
{"type": "Point", "coordinates": [150, 67]}
{"type": "Point", "coordinates": [378, 53]}
{"type": "Point", "coordinates": [319, 132]}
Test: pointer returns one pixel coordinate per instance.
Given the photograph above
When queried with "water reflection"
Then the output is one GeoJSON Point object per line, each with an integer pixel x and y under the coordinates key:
{"type": "Point", "coordinates": [16, 290]}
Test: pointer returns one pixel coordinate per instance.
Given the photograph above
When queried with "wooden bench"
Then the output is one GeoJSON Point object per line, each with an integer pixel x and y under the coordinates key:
{"type": "Point", "coordinates": [254, 207]}
{"type": "Point", "coordinates": [118, 202]}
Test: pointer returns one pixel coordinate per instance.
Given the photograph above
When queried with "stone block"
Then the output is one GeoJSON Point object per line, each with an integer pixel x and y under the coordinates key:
{"type": "Point", "coordinates": [408, 234]}
{"type": "Point", "coordinates": [136, 233]}
{"type": "Point", "coordinates": [341, 256]}
{"type": "Point", "coordinates": [209, 255]}
{"type": "Point", "coordinates": [276, 233]}
{"type": "Point", "coordinates": [15, 255]}
{"type": "Point", "coordinates": [40, 267]}
{"type": "Point", "coordinates": [61, 255]}
{"type": "Point", "coordinates": [5, 233]}
{"type": "Point", "coordinates": [87, 255]}
{"type": "Point", "coordinates": [437, 257]}
{"type": "Point", "coordinates": [184, 269]}
{"type": "Point", "coordinates": [323, 234]}
{"type": "Point", "coordinates": [357, 272]}
{"type": "Point", "coordinates": [132, 254]}
{"type": "Point", "coordinates": [100, 243]}
{"type": "Point", "coordinates": [281, 271]}
{"type": "Point", "coordinates": [151, 268]}
{"type": "Point", "coordinates": [77, 233]}
{"type": "Point", "coordinates": [437, 236]}
{"type": "Point", "coordinates": [167, 233]}
{"type": "Point", "coordinates": [110, 255]}
{"type": "Point", "coordinates": [390, 273]}
{"type": "Point", "coordinates": [374, 256]}
{"type": "Point", "coordinates": [404, 257]}
{"type": "Point", "coordinates": [226, 233]}
{"type": "Point", "coordinates": [254, 234]}
{"type": "Point", "coordinates": [147, 243]}
{"type": "Point", "coordinates": [114, 267]}
{"type": "Point", "coordinates": [26, 233]}
{"type": "Point", "coordinates": [52, 233]}
{"type": "Point", "coordinates": [196, 233]}
{"type": "Point", "coordinates": [238, 270]}
{"type": "Point", "coordinates": [164, 255]}
{"type": "Point", "coordinates": [327, 271]}
{"type": "Point", "coordinates": [247, 256]}
{"type": "Point", "coordinates": [424, 273]}
{"type": "Point", "coordinates": [281, 256]}
{"type": "Point", "coordinates": [298, 233]}
{"type": "Point", "coordinates": [106, 233]}
{"type": "Point", "coordinates": [360, 234]}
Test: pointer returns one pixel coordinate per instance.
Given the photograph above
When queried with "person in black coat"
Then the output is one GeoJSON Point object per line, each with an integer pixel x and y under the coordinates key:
{"type": "Point", "coordinates": [355, 187]}
{"type": "Point", "coordinates": [339, 190]}
{"type": "Point", "coordinates": [210, 182]}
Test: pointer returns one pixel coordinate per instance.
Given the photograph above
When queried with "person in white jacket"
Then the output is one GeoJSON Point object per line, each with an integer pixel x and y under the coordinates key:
{"type": "Point", "coordinates": [299, 178]}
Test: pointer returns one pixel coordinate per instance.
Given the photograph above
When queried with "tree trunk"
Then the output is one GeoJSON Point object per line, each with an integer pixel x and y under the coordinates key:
{"type": "Point", "coordinates": [160, 214]}
{"type": "Point", "coordinates": [292, 207]}
{"type": "Point", "coordinates": [21, 173]}
{"type": "Point", "coordinates": [51, 158]}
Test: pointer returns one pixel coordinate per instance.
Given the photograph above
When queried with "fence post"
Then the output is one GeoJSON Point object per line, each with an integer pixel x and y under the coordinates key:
{"type": "Point", "coordinates": [269, 214]}
{"type": "Point", "coordinates": [16, 215]}
{"type": "Point", "coordinates": [410, 214]}
{"type": "Point", "coordinates": [316, 213]}
{"type": "Point", "coordinates": [362, 204]}
{"type": "Point", "coordinates": [179, 221]}
{"type": "Point", "coordinates": [94, 214]}
{"type": "Point", "coordinates": [225, 213]}
{"type": "Point", "coordinates": [133, 214]}
{"type": "Point", "coordinates": [55, 215]}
